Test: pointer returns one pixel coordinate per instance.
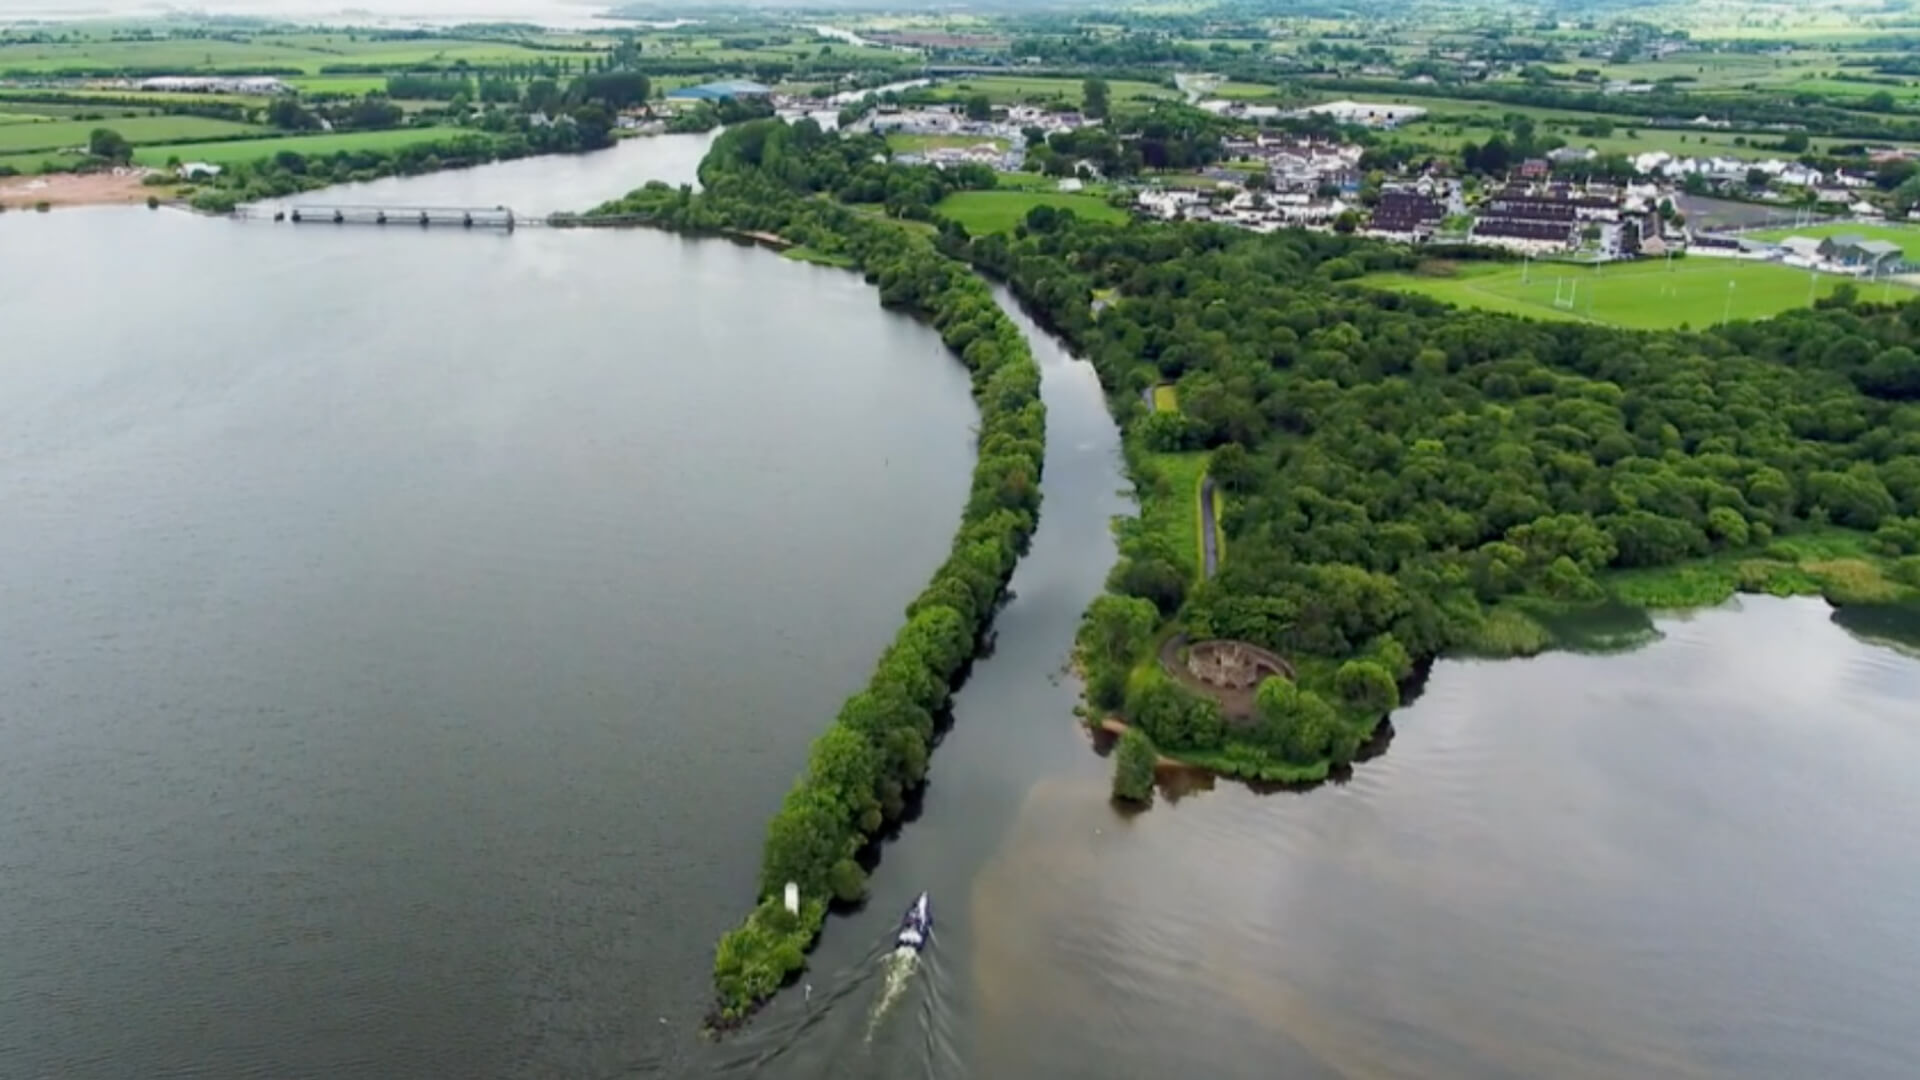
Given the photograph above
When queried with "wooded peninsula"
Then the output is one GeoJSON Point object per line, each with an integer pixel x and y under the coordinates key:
{"type": "Point", "coordinates": [1399, 478]}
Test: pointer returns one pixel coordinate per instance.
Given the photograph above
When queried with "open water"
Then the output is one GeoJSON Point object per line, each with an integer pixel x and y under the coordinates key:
{"type": "Point", "coordinates": [408, 633]}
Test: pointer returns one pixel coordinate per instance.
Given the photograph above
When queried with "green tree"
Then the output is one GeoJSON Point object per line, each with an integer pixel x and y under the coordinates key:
{"type": "Point", "coordinates": [979, 107]}
{"type": "Point", "coordinates": [1133, 762]}
{"type": "Point", "coordinates": [1367, 687]}
{"type": "Point", "coordinates": [1094, 94]}
{"type": "Point", "coordinates": [1116, 629]}
{"type": "Point", "coordinates": [109, 144]}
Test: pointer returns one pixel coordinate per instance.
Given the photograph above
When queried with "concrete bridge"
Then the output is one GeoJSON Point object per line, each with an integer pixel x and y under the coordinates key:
{"type": "Point", "coordinates": [466, 217]}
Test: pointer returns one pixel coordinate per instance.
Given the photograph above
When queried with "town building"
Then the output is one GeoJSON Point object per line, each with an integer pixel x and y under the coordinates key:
{"type": "Point", "coordinates": [1856, 252]}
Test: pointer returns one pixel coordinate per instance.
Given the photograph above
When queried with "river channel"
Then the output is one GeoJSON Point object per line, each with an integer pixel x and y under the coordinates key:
{"type": "Point", "coordinates": [410, 632]}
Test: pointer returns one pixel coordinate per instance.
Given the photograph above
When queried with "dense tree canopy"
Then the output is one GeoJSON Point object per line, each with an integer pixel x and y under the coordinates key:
{"type": "Point", "coordinates": [1396, 465]}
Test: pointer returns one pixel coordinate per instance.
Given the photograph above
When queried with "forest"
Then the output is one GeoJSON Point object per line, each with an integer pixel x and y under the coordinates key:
{"type": "Point", "coordinates": [860, 771]}
{"type": "Point", "coordinates": [1404, 478]}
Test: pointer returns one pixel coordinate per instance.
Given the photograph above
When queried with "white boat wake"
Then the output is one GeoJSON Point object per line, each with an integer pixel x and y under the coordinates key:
{"type": "Point", "coordinates": [901, 964]}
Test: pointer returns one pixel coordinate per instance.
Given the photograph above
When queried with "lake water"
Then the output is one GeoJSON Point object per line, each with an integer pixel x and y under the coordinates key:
{"type": "Point", "coordinates": [410, 633]}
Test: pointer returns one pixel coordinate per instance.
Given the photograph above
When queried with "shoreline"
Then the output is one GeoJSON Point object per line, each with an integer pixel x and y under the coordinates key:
{"type": "Point", "coordinates": [117, 187]}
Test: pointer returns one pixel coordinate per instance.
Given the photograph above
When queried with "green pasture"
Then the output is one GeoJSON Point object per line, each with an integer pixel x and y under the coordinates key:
{"type": "Point", "coordinates": [999, 211]}
{"type": "Point", "coordinates": [139, 130]}
{"type": "Point", "coordinates": [1649, 295]}
{"type": "Point", "coordinates": [227, 153]}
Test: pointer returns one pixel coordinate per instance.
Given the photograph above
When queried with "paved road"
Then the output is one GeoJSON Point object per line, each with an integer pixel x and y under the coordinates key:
{"type": "Point", "coordinates": [1209, 531]}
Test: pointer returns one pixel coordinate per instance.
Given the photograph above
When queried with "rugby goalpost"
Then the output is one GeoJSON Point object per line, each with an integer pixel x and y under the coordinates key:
{"type": "Point", "coordinates": [1565, 298]}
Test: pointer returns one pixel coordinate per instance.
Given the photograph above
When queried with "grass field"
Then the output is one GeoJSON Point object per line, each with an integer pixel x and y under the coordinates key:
{"type": "Point", "coordinates": [1245, 91]}
{"type": "Point", "coordinates": [999, 211]}
{"type": "Point", "coordinates": [61, 134]}
{"type": "Point", "coordinates": [915, 144]}
{"type": "Point", "coordinates": [1907, 236]}
{"type": "Point", "coordinates": [353, 85]}
{"type": "Point", "coordinates": [1170, 510]}
{"type": "Point", "coordinates": [226, 153]}
{"type": "Point", "coordinates": [1014, 90]}
{"type": "Point", "coordinates": [1645, 295]}
{"type": "Point", "coordinates": [38, 162]}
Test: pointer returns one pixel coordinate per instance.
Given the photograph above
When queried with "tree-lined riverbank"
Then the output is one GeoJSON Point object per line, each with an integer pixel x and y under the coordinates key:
{"type": "Point", "coordinates": [875, 751]}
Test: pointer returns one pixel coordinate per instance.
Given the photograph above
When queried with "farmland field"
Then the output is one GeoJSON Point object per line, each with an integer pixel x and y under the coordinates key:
{"type": "Point", "coordinates": [1642, 296]}
{"type": "Point", "coordinates": [307, 52]}
{"type": "Point", "coordinates": [999, 211]}
{"type": "Point", "coordinates": [226, 153]}
{"type": "Point", "coordinates": [1907, 236]}
{"type": "Point", "coordinates": [139, 130]}
{"type": "Point", "coordinates": [354, 85]}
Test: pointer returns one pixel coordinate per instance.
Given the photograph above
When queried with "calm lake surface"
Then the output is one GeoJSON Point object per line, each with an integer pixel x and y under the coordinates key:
{"type": "Point", "coordinates": [409, 634]}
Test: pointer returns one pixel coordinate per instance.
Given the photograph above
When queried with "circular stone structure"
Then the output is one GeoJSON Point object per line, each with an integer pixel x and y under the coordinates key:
{"type": "Point", "coordinates": [1234, 665]}
{"type": "Point", "coordinates": [1223, 669]}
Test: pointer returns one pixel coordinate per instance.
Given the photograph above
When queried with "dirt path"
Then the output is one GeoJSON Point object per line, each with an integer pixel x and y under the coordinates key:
{"type": "Point", "coordinates": [119, 186]}
{"type": "Point", "coordinates": [1209, 530]}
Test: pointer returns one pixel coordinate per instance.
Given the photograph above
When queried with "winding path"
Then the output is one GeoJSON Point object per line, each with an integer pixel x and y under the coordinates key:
{"type": "Point", "coordinates": [1209, 534]}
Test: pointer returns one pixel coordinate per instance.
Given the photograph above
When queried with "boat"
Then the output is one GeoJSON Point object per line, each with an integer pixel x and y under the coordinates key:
{"type": "Point", "coordinates": [916, 926]}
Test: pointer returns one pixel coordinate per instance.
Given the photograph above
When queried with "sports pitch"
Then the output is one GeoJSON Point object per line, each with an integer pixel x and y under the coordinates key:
{"type": "Point", "coordinates": [1652, 295]}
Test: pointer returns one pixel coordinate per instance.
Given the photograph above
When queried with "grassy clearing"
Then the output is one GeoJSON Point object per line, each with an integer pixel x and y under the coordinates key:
{"type": "Point", "coordinates": [999, 211]}
{"type": "Point", "coordinates": [901, 143]}
{"type": "Point", "coordinates": [62, 134]}
{"type": "Point", "coordinates": [226, 153]}
{"type": "Point", "coordinates": [1907, 236]}
{"type": "Point", "coordinates": [1642, 295]}
{"type": "Point", "coordinates": [1170, 503]}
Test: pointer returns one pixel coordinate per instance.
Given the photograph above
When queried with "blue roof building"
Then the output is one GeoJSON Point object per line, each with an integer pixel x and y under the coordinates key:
{"type": "Point", "coordinates": [720, 91]}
